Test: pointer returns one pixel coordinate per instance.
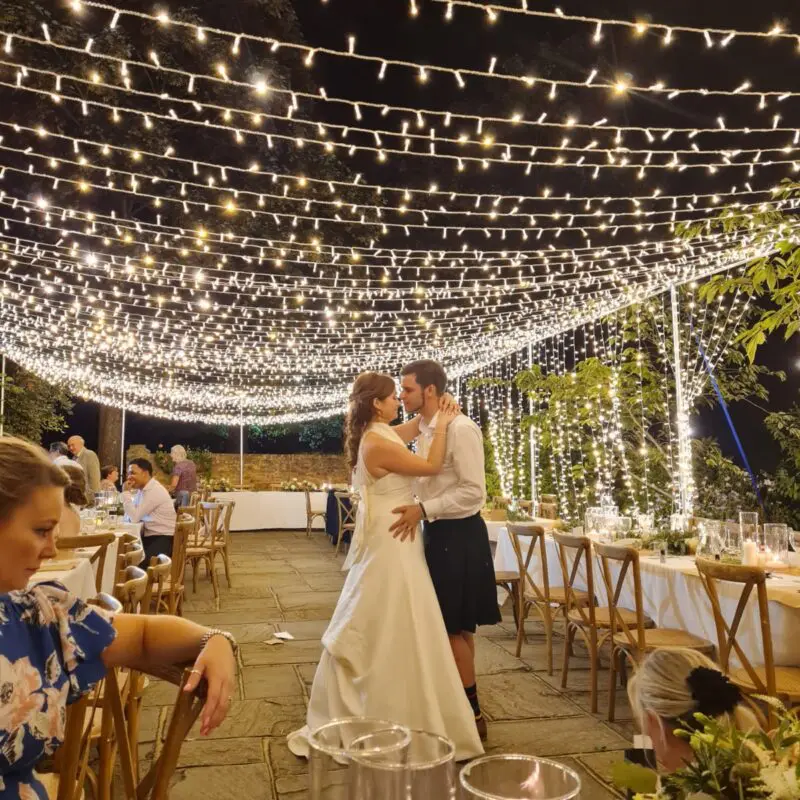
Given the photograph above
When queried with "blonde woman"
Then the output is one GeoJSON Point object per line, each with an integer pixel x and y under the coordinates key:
{"type": "Point", "coordinates": [184, 476]}
{"type": "Point", "coordinates": [54, 647]}
{"type": "Point", "coordinates": [669, 688]}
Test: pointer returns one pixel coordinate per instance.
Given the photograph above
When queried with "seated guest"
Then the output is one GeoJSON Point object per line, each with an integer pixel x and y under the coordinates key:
{"type": "Point", "coordinates": [147, 501]}
{"type": "Point", "coordinates": [54, 648]}
{"type": "Point", "coordinates": [184, 476]}
{"type": "Point", "coordinates": [672, 685]}
{"type": "Point", "coordinates": [74, 501]}
{"type": "Point", "coordinates": [59, 453]}
{"type": "Point", "coordinates": [108, 479]}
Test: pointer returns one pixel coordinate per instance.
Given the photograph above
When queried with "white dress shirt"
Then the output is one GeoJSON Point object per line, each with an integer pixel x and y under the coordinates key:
{"type": "Point", "coordinates": [459, 490]}
{"type": "Point", "coordinates": [153, 507]}
{"type": "Point", "coordinates": [63, 460]}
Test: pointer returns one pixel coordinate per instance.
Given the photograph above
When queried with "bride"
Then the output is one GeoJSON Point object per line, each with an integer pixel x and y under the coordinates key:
{"type": "Point", "coordinates": [386, 653]}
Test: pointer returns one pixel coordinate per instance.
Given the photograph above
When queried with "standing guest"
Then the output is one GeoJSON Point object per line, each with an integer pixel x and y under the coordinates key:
{"type": "Point", "coordinates": [184, 476]}
{"type": "Point", "coordinates": [147, 501]}
{"type": "Point", "coordinates": [89, 461]}
{"type": "Point", "coordinates": [74, 501]}
{"type": "Point", "coordinates": [59, 453]}
{"type": "Point", "coordinates": [54, 648]}
{"type": "Point", "coordinates": [108, 479]}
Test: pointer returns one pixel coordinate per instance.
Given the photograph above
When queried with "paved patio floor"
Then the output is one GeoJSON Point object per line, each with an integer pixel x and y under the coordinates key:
{"type": "Point", "coordinates": [286, 581]}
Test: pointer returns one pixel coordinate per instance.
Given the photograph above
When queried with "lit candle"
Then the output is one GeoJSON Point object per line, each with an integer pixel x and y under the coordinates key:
{"type": "Point", "coordinates": [750, 554]}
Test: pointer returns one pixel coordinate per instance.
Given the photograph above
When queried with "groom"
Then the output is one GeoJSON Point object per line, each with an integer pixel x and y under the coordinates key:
{"type": "Point", "coordinates": [456, 540]}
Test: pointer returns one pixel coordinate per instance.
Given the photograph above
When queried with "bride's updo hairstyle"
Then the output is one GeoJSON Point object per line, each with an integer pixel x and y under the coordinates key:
{"type": "Point", "coordinates": [368, 387]}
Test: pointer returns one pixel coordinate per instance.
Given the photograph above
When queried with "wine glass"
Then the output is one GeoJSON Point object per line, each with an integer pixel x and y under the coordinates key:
{"type": "Point", "coordinates": [518, 777]}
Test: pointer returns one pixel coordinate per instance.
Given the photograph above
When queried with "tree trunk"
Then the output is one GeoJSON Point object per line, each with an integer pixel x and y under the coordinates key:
{"type": "Point", "coordinates": [109, 436]}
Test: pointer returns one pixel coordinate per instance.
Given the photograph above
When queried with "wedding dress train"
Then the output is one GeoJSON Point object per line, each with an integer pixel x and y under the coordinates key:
{"type": "Point", "coordinates": [386, 652]}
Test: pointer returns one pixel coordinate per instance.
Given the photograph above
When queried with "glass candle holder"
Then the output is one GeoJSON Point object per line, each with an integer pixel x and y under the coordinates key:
{"type": "Point", "coordinates": [748, 525]}
{"type": "Point", "coordinates": [711, 537]}
{"type": "Point", "coordinates": [426, 769]}
{"type": "Point", "coordinates": [518, 777]}
{"type": "Point", "coordinates": [776, 545]}
{"type": "Point", "coordinates": [332, 773]}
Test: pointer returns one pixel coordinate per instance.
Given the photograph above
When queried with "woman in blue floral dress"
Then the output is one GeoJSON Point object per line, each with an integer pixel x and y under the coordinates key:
{"type": "Point", "coordinates": [54, 648]}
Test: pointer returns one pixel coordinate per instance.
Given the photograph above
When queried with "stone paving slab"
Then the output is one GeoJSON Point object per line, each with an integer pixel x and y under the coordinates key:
{"type": "Point", "coordinates": [287, 581]}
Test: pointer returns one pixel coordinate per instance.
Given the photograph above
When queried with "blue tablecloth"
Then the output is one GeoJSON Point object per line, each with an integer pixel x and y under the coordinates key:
{"type": "Point", "coordinates": [332, 518]}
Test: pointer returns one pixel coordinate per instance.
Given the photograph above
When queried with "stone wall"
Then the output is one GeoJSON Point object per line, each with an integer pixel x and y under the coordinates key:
{"type": "Point", "coordinates": [265, 471]}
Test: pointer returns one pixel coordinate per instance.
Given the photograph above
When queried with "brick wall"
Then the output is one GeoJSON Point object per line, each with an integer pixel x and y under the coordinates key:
{"type": "Point", "coordinates": [266, 471]}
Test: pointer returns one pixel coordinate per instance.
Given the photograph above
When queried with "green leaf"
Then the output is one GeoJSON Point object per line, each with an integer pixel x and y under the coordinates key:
{"type": "Point", "coordinates": [634, 777]}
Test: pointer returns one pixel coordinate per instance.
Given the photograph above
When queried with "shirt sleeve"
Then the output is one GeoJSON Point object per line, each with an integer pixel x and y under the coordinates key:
{"type": "Point", "coordinates": [80, 634]}
{"type": "Point", "coordinates": [136, 513]}
{"type": "Point", "coordinates": [468, 465]}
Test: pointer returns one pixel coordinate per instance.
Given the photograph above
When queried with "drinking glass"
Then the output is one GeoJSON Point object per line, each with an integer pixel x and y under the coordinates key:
{"type": "Point", "coordinates": [332, 773]}
{"type": "Point", "coordinates": [518, 777]}
{"type": "Point", "coordinates": [645, 522]}
{"type": "Point", "coordinates": [711, 533]}
{"type": "Point", "coordinates": [748, 524]}
{"type": "Point", "coordinates": [425, 770]}
{"type": "Point", "coordinates": [776, 544]}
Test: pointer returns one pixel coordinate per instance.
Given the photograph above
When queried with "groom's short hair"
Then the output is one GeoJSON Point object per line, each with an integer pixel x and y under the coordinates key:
{"type": "Point", "coordinates": [428, 373]}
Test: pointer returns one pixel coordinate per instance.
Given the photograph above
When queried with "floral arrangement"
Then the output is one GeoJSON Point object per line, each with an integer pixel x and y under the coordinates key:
{"type": "Point", "coordinates": [295, 485]}
{"type": "Point", "coordinates": [728, 763]}
{"type": "Point", "coordinates": [219, 485]}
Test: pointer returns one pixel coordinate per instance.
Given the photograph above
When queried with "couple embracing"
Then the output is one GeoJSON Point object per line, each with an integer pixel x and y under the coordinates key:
{"type": "Point", "coordinates": [400, 645]}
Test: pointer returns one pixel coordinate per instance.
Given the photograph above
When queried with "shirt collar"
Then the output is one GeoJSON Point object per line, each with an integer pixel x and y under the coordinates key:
{"type": "Point", "coordinates": [428, 427]}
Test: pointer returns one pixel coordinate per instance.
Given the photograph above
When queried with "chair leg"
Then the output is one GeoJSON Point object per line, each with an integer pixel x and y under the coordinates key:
{"type": "Point", "coordinates": [547, 616]}
{"type": "Point", "coordinates": [612, 683]}
{"type": "Point", "coordinates": [571, 631]}
{"type": "Point", "coordinates": [195, 565]}
{"type": "Point", "coordinates": [520, 630]}
{"type": "Point", "coordinates": [594, 657]}
{"type": "Point", "coordinates": [227, 563]}
{"type": "Point", "coordinates": [214, 582]}
{"type": "Point", "coordinates": [513, 590]}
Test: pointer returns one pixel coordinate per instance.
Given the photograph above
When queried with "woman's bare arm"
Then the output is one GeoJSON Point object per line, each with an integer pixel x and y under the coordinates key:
{"type": "Point", "coordinates": [408, 431]}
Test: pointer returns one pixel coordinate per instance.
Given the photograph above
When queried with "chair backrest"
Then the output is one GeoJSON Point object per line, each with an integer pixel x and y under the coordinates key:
{"type": "Point", "coordinates": [226, 516]}
{"type": "Point", "coordinates": [71, 760]}
{"type": "Point", "coordinates": [128, 558]}
{"type": "Point", "coordinates": [749, 578]}
{"type": "Point", "coordinates": [308, 503]}
{"type": "Point", "coordinates": [130, 591]}
{"type": "Point", "coordinates": [501, 502]}
{"type": "Point", "coordinates": [210, 533]}
{"type": "Point", "coordinates": [346, 505]}
{"type": "Point", "coordinates": [628, 560]}
{"type": "Point", "coordinates": [130, 541]}
{"type": "Point", "coordinates": [158, 573]}
{"type": "Point", "coordinates": [106, 602]}
{"type": "Point", "coordinates": [527, 506]}
{"type": "Point", "coordinates": [572, 552]}
{"type": "Point", "coordinates": [102, 541]}
{"type": "Point", "coordinates": [184, 531]}
{"type": "Point", "coordinates": [524, 554]}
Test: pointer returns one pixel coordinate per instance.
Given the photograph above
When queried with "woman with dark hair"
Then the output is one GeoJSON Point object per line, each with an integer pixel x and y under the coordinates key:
{"type": "Point", "coordinates": [386, 652]}
{"type": "Point", "coordinates": [74, 501]}
{"type": "Point", "coordinates": [54, 647]}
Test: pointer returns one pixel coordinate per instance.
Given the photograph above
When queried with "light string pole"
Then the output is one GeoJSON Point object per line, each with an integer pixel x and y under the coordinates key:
{"type": "Point", "coordinates": [241, 445]}
{"type": "Point", "coordinates": [122, 441]}
{"type": "Point", "coordinates": [3, 398]}
{"type": "Point", "coordinates": [682, 422]}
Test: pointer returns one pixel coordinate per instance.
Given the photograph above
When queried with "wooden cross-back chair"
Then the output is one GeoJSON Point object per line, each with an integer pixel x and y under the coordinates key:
{"type": "Point", "coordinates": [128, 557]}
{"type": "Point", "coordinates": [71, 761]}
{"type": "Point", "coordinates": [589, 621]}
{"type": "Point", "coordinates": [765, 679]}
{"type": "Point", "coordinates": [224, 535]}
{"type": "Point", "coordinates": [631, 638]}
{"type": "Point", "coordinates": [203, 543]}
{"type": "Point", "coordinates": [346, 508]}
{"type": "Point", "coordinates": [547, 601]}
{"type": "Point", "coordinates": [311, 514]}
{"type": "Point", "coordinates": [100, 540]}
{"type": "Point", "coordinates": [159, 571]}
{"type": "Point", "coordinates": [131, 590]}
{"type": "Point", "coordinates": [185, 527]}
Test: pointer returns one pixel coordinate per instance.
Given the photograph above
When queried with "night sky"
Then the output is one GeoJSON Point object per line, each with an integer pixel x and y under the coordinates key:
{"type": "Point", "coordinates": [558, 50]}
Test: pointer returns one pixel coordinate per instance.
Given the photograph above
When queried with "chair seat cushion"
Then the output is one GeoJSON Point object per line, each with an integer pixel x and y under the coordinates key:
{"type": "Point", "coordinates": [197, 551]}
{"type": "Point", "coordinates": [602, 617]}
{"type": "Point", "coordinates": [667, 637]}
{"type": "Point", "coordinates": [506, 577]}
{"type": "Point", "coordinates": [787, 680]}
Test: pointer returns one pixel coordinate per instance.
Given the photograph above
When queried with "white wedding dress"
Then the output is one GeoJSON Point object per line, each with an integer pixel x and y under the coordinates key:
{"type": "Point", "coordinates": [386, 652]}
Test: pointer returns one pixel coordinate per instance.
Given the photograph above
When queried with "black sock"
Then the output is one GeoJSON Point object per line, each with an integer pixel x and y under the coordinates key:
{"type": "Point", "coordinates": [472, 696]}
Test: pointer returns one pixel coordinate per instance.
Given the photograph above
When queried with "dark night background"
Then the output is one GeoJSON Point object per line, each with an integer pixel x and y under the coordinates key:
{"type": "Point", "coordinates": [563, 50]}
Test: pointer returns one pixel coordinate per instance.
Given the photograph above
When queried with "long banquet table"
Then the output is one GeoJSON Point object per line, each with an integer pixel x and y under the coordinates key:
{"type": "Point", "coordinates": [674, 597]}
{"type": "Point", "coordinates": [255, 511]}
{"type": "Point", "coordinates": [76, 573]}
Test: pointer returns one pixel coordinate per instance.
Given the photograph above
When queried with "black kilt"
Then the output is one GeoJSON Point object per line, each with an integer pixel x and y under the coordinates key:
{"type": "Point", "coordinates": [460, 562]}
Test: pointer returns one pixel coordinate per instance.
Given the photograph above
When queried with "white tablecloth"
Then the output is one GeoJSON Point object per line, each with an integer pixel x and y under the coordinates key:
{"type": "Point", "coordinates": [674, 599]}
{"type": "Point", "coordinates": [496, 528]}
{"type": "Point", "coordinates": [255, 511]}
{"type": "Point", "coordinates": [78, 578]}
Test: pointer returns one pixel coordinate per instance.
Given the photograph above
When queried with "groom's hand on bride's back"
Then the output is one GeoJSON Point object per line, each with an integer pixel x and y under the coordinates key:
{"type": "Point", "coordinates": [407, 523]}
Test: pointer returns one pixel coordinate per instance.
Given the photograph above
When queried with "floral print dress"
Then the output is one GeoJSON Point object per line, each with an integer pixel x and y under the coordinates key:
{"type": "Point", "coordinates": [51, 645]}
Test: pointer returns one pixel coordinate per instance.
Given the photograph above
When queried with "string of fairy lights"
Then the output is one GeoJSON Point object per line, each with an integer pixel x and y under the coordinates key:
{"type": "Point", "coordinates": [186, 233]}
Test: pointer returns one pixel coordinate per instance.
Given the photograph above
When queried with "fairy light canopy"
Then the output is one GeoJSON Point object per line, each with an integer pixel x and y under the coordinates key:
{"type": "Point", "coordinates": [195, 225]}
